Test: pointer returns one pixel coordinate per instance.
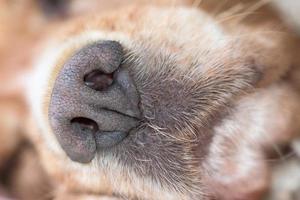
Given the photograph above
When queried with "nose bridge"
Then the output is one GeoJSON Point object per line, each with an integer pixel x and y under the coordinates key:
{"type": "Point", "coordinates": [104, 55]}
{"type": "Point", "coordinates": [86, 116]}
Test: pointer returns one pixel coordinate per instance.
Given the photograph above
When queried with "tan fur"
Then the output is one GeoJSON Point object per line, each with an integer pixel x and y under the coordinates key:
{"type": "Point", "coordinates": [254, 106]}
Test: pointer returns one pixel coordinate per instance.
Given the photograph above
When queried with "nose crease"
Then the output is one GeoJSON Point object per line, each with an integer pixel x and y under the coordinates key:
{"type": "Point", "coordinates": [113, 99]}
{"type": "Point", "coordinates": [108, 120]}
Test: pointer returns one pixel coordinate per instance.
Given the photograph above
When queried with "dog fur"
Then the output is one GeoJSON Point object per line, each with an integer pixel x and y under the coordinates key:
{"type": "Point", "coordinates": [218, 91]}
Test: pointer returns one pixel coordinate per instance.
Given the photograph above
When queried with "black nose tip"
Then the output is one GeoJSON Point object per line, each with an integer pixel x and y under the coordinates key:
{"type": "Point", "coordinates": [94, 102]}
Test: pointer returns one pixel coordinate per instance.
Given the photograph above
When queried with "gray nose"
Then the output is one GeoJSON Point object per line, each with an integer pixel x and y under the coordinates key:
{"type": "Point", "coordinates": [94, 102]}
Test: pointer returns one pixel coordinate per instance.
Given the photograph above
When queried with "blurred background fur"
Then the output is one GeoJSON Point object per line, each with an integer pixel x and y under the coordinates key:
{"type": "Point", "coordinates": [23, 23]}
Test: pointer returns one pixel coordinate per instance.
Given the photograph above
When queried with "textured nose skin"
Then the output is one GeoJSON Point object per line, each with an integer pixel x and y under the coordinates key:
{"type": "Point", "coordinates": [94, 102]}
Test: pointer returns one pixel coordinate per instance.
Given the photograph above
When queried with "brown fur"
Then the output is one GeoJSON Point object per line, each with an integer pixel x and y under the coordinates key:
{"type": "Point", "coordinates": [217, 91]}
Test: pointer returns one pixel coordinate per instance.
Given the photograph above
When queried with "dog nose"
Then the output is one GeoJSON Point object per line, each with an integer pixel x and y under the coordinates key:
{"type": "Point", "coordinates": [94, 102]}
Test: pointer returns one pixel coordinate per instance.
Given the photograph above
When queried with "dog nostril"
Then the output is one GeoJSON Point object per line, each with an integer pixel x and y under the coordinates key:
{"type": "Point", "coordinates": [98, 80]}
{"type": "Point", "coordinates": [84, 125]}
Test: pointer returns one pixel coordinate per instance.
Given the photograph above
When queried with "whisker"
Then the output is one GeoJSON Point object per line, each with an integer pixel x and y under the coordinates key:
{"type": "Point", "coordinates": [219, 9]}
{"type": "Point", "coordinates": [239, 13]}
{"type": "Point", "coordinates": [197, 3]}
{"type": "Point", "coordinates": [282, 157]}
{"type": "Point", "coordinates": [242, 15]}
{"type": "Point", "coordinates": [255, 7]}
{"type": "Point", "coordinates": [231, 11]}
{"type": "Point", "coordinates": [255, 33]}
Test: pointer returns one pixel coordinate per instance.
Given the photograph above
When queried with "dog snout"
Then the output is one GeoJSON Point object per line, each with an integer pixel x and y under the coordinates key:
{"type": "Point", "coordinates": [94, 101]}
